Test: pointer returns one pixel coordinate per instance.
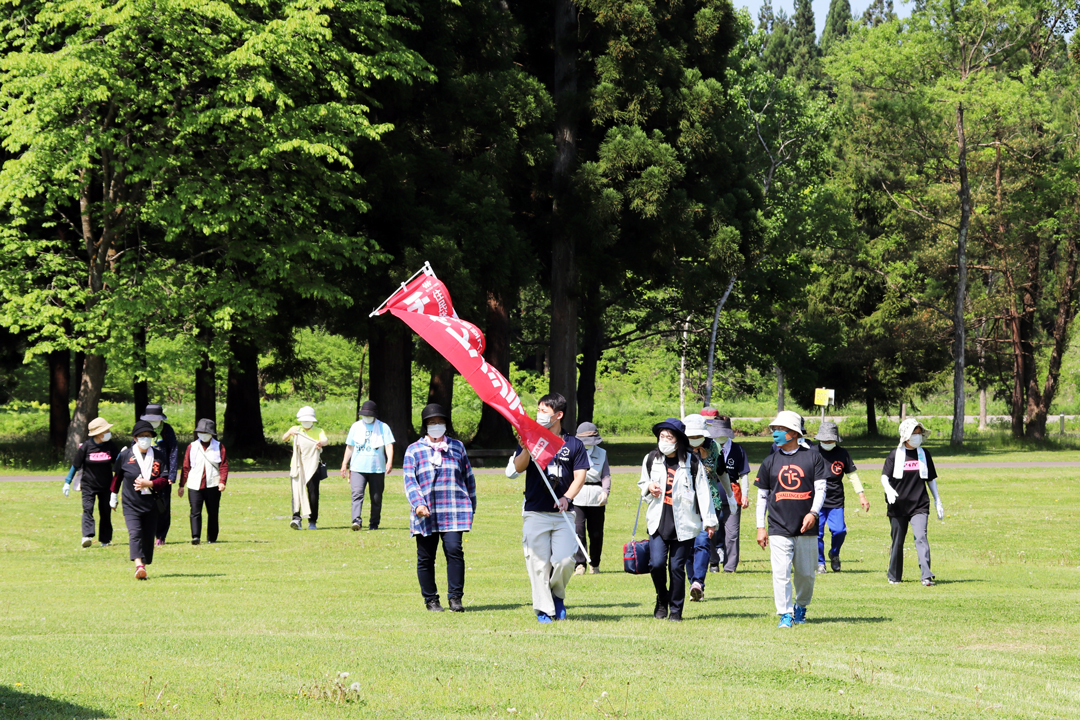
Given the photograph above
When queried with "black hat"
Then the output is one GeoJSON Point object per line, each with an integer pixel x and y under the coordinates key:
{"type": "Point", "coordinates": [369, 408]}
{"type": "Point", "coordinates": [430, 411]}
{"type": "Point", "coordinates": [143, 426]}
{"type": "Point", "coordinates": [206, 425]}
{"type": "Point", "coordinates": [154, 413]}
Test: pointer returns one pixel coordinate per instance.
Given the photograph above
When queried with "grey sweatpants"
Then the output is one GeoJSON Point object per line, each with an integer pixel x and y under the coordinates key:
{"type": "Point", "coordinates": [798, 554]}
{"type": "Point", "coordinates": [922, 545]}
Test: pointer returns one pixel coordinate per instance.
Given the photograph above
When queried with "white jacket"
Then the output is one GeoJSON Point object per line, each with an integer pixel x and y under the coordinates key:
{"type": "Point", "coordinates": [688, 524]}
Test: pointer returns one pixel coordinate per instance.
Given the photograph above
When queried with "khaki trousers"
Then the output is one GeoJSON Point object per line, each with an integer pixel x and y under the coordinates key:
{"type": "Point", "coordinates": [549, 545]}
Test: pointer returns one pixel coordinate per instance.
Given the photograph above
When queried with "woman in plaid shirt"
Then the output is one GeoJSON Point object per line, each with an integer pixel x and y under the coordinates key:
{"type": "Point", "coordinates": [441, 489]}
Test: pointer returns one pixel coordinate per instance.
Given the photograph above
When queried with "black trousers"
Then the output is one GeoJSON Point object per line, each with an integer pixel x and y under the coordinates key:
{"type": "Point", "coordinates": [658, 558]}
{"type": "Point", "coordinates": [140, 527]}
{"type": "Point", "coordinates": [426, 549]}
{"type": "Point", "coordinates": [211, 497]}
{"type": "Point", "coordinates": [164, 517]}
{"type": "Point", "coordinates": [101, 499]}
{"type": "Point", "coordinates": [590, 520]}
{"type": "Point", "coordinates": [313, 501]}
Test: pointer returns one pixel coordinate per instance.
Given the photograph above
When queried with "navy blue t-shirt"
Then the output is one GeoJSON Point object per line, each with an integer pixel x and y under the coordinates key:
{"type": "Point", "coordinates": [560, 472]}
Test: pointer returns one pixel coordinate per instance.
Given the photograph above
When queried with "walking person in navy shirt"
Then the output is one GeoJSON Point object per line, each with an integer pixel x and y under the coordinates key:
{"type": "Point", "coordinates": [441, 490]}
{"type": "Point", "coordinates": [549, 542]}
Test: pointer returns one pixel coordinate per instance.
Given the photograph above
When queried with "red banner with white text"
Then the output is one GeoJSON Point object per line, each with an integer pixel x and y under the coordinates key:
{"type": "Point", "coordinates": [424, 305]}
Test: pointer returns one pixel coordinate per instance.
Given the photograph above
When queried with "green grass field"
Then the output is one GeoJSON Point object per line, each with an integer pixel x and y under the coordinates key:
{"type": "Point", "coordinates": [261, 624]}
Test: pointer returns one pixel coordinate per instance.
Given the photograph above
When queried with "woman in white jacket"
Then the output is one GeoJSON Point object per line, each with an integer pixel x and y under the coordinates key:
{"type": "Point", "coordinates": [674, 484]}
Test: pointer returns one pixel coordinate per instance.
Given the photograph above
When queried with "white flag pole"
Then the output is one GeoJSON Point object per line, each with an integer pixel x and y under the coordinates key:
{"type": "Point", "coordinates": [426, 270]}
{"type": "Point", "coordinates": [566, 516]}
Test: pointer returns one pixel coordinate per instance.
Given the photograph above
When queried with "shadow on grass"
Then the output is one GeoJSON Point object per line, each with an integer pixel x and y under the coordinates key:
{"type": "Point", "coordinates": [507, 606]}
{"type": "Point", "coordinates": [816, 621]}
{"type": "Point", "coordinates": [189, 575]}
{"type": "Point", "coordinates": [16, 704]}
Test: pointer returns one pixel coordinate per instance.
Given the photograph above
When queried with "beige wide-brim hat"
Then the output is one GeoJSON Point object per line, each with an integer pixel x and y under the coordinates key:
{"type": "Point", "coordinates": [97, 426]}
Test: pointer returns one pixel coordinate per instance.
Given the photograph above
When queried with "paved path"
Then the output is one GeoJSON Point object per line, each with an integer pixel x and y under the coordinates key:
{"type": "Point", "coordinates": [619, 469]}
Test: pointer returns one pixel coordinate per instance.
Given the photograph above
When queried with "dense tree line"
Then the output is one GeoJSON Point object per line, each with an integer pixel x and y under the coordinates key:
{"type": "Point", "coordinates": [866, 212]}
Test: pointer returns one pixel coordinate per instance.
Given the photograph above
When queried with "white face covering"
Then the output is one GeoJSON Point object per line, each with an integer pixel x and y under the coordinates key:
{"type": "Point", "coordinates": [544, 418]}
{"type": "Point", "coordinates": [205, 437]}
{"type": "Point", "coordinates": [915, 440]}
{"type": "Point", "coordinates": [306, 424]}
{"type": "Point", "coordinates": [436, 431]}
{"type": "Point", "coordinates": [106, 437]}
{"type": "Point", "coordinates": [827, 445]}
{"type": "Point", "coordinates": [368, 418]}
{"type": "Point", "coordinates": [156, 424]}
{"type": "Point", "coordinates": [666, 447]}
{"type": "Point", "coordinates": [697, 442]}
{"type": "Point", "coordinates": [144, 443]}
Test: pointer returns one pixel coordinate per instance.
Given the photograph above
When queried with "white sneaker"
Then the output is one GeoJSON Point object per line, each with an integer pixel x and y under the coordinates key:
{"type": "Point", "coordinates": [579, 570]}
{"type": "Point", "coordinates": [87, 542]}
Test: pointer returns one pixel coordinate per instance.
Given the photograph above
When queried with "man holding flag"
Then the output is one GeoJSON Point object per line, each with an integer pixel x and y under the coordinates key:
{"type": "Point", "coordinates": [548, 540]}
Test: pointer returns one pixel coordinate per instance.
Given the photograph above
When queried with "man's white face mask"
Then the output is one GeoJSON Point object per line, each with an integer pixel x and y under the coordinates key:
{"type": "Point", "coordinates": [545, 418]}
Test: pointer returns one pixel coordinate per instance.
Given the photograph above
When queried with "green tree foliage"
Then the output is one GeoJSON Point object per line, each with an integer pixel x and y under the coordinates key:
{"type": "Point", "coordinates": [836, 24]}
{"type": "Point", "coordinates": [806, 63]}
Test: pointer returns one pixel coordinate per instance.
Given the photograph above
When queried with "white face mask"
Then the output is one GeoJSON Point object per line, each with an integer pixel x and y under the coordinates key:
{"type": "Point", "coordinates": [915, 440]}
{"type": "Point", "coordinates": [156, 424]}
{"type": "Point", "coordinates": [106, 437]}
{"type": "Point", "coordinates": [306, 424]}
{"type": "Point", "coordinates": [697, 442]}
{"type": "Point", "coordinates": [666, 447]}
{"type": "Point", "coordinates": [368, 418]}
{"type": "Point", "coordinates": [545, 418]}
{"type": "Point", "coordinates": [144, 442]}
{"type": "Point", "coordinates": [827, 445]}
{"type": "Point", "coordinates": [436, 431]}
{"type": "Point", "coordinates": [205, 437]}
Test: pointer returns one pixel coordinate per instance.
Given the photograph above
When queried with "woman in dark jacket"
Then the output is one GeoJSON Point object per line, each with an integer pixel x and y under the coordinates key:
{"type": "Point", "coordinates": [142, 475]}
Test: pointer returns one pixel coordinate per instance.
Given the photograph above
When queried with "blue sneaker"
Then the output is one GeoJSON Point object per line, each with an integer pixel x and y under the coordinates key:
{"type": "Point", "coordinates": [800, 614]}
{"type": "Point", "coordinates": [785, 621]}
{"type": "Point", "coordinates": [560, 608]}
{"type": "Point", "coordinates": [543, 618]}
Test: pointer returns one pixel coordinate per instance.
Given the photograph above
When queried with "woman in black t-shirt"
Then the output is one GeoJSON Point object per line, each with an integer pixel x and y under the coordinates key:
{"type": "Point", "coordinates": [907, 474]}
{"type": "Point", "coordinates": [95, 459]}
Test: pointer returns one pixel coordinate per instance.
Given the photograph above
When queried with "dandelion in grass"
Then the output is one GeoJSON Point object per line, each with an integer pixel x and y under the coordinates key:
{"type": "Point", "coordinates": [18, 684]}
{"type": "Point", "coordinates": [355, 687]}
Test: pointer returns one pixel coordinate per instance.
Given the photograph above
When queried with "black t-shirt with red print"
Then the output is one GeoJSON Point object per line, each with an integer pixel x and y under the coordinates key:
{"type": "Point", "coordinates": [96, 462]}
{"type": "Point", "coordinates": [839, 463]}
{"type": "Point", "coordinates": [127, 469]}
{"type": "Point", "coordinates": [790, 482]}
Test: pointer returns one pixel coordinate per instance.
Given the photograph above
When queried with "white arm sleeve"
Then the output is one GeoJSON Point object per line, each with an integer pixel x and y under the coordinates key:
{"type": "Point", "coordinates": [762, 501]}
{"type": "Point", "coordinates": [511, 471]}
{"type": "Point", "coordinates": [934, 490]}
{"type": "Point", "coordinates": [819, 495]}
{"type": "Point", "coordinates": [855, 482]}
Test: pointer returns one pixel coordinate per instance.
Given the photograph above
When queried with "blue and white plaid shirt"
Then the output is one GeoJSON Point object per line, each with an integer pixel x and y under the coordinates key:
{"type": "Point", "coordinates": [448, 490]}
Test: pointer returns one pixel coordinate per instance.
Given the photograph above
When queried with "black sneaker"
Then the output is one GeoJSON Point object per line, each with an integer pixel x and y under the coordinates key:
{"type": "Point", "coordinates": [660, 611]}
{"type": "Point", "coordinates": [434, 606]}
{"type": "Point", "coordinates": [715, 567]}
{"type": "Point", "coordinates": [455, 605]}
{"type": "Point", "coordinates": [194, 541]}
{"type": "Point", "coordinates": [357, 526]}
{"type": "Point", "coordinates": [675, 616]}
{"type": "Point", "coordinates": [834, 561]}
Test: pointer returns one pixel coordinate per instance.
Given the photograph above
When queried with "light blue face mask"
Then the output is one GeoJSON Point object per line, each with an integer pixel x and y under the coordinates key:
{"type": "Point", "coordinates": [779, 436]}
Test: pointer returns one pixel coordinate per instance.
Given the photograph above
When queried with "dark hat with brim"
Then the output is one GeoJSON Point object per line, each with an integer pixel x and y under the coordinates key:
{"type": "Point", "coordinates": [206, 425]}
{"type": "Point", "coordinates": [675, 425]}
{"type": "Point", "coordinates": [154, 413]}
{"type": "Point", "coordinates": [369, 408]}
{"type": "Point", "coordinates": [430, 411]}
{"type": "Point", "coordinates": [720, 428]}
{"type": "Point", "coordinates": [588, 434]}
{"type": "Point", "coordinates": [142, 426]}
{"type": "Point", "coordinates": [828, 432]}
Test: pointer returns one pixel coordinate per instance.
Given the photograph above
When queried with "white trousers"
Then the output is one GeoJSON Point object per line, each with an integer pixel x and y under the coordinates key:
{"type": "Point", "coordinates": [800, 554]}
{"type": "Point", "coordinates": [549, 545]}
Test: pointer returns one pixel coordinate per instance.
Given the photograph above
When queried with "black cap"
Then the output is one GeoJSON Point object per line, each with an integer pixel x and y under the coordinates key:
{"type": "Point", "coordinates": [143, 426]}
{"type": "Point", "coordinates": [206, 425]}
{"type": "Point", "coordinates": [430, 411]}
{"type": "Point", "coordinates": [369, 408]}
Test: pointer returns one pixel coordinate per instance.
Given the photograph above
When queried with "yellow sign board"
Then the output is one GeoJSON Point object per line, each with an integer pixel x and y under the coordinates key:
{"type": "Point", "coordinates": [824, 396]}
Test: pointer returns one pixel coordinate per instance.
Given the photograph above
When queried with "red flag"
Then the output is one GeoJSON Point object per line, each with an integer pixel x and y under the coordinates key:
{"type": "Point", "coordinates": [424, 305]}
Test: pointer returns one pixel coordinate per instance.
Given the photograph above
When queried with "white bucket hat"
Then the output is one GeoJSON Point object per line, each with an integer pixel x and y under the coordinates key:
{"type": "Point", "coordinates": [306, 413]}
{"type": "Point", "coordinates": [695, 426]}
{"type": "Point", "coordinates": [789, 420]}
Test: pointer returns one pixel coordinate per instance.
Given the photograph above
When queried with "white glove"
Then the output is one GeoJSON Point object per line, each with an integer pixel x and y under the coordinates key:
{"type": "Point", "coordinates": [603, 498]}
{"type": "Point", "coordinates": [890, 495]}
{"type": "Point", "coordinates": [940, 510]}
{"type": "Point", "coordinates": [67, 489]}
{"type": "Point", "coordinates": [112, 500]}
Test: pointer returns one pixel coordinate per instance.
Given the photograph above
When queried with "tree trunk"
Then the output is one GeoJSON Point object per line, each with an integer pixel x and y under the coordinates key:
{"type": "Point", "coordinates": [86, 404]}
{"type": "Point", "coordinates": [243, 432]}
{"type": "Point", "coordinates": [205, 390]}
{"type": "Point", "coordinates": [871, 416]}
{"type": "Point", "coordinates": [390, 376]}
{"type": "Point", "coordinates": [982, 408]}
{"type": "Point", "coordinates": [779, 389]}
{"type": "Point", "coordinates": [59, 362]}
{"type": "Point", "coordinates": [592, 348]}
{"type": "Point", "coordinates": [564, 273]}
{"type": "Point", "coordinates": [494, 431]}
{"type": "Point", "coordinates": [441, 391]}
{"type": "Point", "coordinates": [957, 437]}
{"type": "Point", "coordinates": [139, 388]}
{"type": "Point", "coordinates": [80, 363]}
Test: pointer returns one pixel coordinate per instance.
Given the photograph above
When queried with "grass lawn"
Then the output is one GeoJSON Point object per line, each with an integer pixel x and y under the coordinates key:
{"type": "Point", "coordinates": [261, 624]}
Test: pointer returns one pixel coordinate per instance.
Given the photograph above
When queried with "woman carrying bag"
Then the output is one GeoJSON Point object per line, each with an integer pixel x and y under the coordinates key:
{"type": "Point", "coordinates": [674, 483]}
{"type": "Point", "coordinates": [306, 469]}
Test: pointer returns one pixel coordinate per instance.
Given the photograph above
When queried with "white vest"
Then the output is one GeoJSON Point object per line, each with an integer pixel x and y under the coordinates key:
{"type": "Point", "coordinates": [204, 462]}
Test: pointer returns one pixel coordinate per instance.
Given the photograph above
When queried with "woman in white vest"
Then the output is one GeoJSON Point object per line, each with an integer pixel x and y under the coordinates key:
{"type": "Point", "coordinates": [306, 469]}
{"type": "Point", "coordinates": [203, 475]}
{"type": "Point", "coordinates": [591, 502]}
